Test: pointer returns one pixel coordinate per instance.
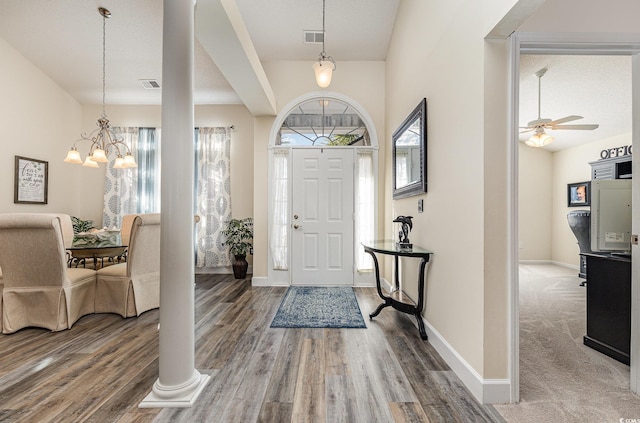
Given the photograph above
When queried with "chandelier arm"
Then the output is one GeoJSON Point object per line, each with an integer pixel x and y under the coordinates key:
{"type": "Point", "coordinates": [103, 139]}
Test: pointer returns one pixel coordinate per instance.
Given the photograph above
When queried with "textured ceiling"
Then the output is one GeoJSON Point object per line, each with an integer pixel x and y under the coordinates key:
{"type": "Point", "coordinates": [595, 87]}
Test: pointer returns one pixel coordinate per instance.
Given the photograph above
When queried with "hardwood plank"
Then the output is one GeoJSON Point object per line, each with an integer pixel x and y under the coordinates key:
{"type": "Point", "coordinates": [274, 412]}
{"type": "Point", "coordinates": [340, 407]}
{"type": "Point", "coordinates": [336, 362]}
{"type": "Point", "coordinates": [309, 400]}
{"type": "Point", "coordinates": [371, 403]}
{"type": "Point", "coordinates": [408, 412]}
{"type": "Point", "coordinates": [282, 384]}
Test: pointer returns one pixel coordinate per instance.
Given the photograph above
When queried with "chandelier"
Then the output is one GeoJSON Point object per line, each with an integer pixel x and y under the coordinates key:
{"type": "Point", "coordinates": [103, 140]}
{"type": "Point", "coordinates": [325, 65]}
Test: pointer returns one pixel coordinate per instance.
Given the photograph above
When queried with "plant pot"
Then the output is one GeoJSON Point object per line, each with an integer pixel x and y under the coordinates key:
{"type": "Point", "coordinates": [240, 266]}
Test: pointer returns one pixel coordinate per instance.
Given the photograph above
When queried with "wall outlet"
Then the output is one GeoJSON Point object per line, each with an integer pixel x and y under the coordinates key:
{"type": "Point", "coordinates": [420, 205]}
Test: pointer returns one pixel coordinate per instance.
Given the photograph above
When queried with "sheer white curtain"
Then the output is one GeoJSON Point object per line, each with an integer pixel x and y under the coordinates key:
{"type": "Point", "coordinates": [213, 195]}
{"type": "Point", "coordinates": [365, 206]}
{"type": "Point", "coordinates": [280, 216]}
{"type": "Point", "coordinates": [120, 185]}
{"type": "Point", "coordinates": [148, 159]}
{"type": "Point", "coordinates": [402, 172]}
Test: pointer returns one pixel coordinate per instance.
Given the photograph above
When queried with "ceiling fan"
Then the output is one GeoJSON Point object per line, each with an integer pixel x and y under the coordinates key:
{"type": "Point", "coordinates": [541, 138]}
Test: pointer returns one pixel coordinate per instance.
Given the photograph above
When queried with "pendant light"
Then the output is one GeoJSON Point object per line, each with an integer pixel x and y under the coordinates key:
{"type": "Point", "coordinates": [103, 140]}
{"type": "Point", "coordinates": [325, 65]}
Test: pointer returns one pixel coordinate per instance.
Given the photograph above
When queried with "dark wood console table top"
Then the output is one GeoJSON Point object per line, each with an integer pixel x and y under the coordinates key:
{"type": "Point", "coordinates": [396, 298]}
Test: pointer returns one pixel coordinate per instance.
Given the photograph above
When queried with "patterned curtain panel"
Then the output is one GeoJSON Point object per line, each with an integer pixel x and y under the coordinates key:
{"type": "Point", "coordinates": [120, 185]}
{"type": "Point", "coordinates": [213, 195]}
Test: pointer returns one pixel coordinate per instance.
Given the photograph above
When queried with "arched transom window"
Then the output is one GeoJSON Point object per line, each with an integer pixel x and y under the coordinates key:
{"type": "Point", "coordinates": [323, 121]}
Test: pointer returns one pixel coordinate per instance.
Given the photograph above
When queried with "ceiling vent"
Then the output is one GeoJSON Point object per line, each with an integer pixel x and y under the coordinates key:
{"type": "Point", "coordinates": [313, 37]}
{"type": "Point", "coordinates": [150, 84]}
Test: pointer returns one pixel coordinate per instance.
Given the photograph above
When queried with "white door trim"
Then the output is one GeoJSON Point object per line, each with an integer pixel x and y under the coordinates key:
{"type": "Point", "coordinates": [283, 277]}
{"type": "Point", "coordinates": [562, 43]}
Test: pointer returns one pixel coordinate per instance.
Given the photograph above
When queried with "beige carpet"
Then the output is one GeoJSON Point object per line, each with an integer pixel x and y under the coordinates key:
{"type": "Point", "coordinates": [562, 380]}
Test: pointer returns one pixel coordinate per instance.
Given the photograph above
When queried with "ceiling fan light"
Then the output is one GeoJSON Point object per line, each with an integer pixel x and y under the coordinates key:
{"type": "Point", "coordinates": [539, 140]}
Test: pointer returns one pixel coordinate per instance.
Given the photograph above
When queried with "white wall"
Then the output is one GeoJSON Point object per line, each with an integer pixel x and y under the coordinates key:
{"type": "Point", "coordinates": [39, 120]}
{"type": "Point", "coordinates": [535, 201]}
{"type": "Point", "coordinates": [438, 52]}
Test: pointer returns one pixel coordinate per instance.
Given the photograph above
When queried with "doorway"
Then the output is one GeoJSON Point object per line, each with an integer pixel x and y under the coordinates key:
{"type": "Point", "coordinates": [335, 134]}
{"type": "Point", "coordinates": [571, 44]}
{"type": "Point", "coordinates": [322, 247]}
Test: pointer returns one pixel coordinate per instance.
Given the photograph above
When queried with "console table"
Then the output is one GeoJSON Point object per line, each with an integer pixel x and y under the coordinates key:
{"type": "Point", "coordinates": [397, 298]}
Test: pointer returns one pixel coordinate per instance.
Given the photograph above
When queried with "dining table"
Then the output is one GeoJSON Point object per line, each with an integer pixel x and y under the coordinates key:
{"type": "Point", "coordinates": [96, 246]}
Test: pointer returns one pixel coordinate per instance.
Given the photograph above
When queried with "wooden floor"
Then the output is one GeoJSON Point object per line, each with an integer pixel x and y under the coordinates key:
{"type": "Point", "coordinates": [102, 368]}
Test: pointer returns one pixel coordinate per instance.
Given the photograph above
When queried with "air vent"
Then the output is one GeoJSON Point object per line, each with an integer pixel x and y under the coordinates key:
{"type": "Point", "coordinates": [150, 84]}
{"type": "Point", "coordinates": [313, 37]}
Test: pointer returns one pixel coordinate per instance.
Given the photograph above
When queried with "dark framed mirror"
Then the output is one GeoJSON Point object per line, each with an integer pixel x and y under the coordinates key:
{"type": "Point", "coordinates": [410, 154]}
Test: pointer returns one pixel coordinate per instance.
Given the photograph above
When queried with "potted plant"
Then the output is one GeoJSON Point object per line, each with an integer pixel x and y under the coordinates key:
{"type": "Point", "coordinates": [239, 234]}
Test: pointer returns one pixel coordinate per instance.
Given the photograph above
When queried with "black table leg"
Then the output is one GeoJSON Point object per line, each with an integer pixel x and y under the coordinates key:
{"type": "Point", "coordinates": [378, 310]}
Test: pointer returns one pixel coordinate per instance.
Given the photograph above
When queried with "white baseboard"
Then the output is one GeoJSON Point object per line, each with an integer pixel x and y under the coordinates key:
{"type": "Point", "coordinates": [264, 281]}
{"type": "Point", "coordinates": [486, 391]}
{"type": "Point", "coordinates": [223, 270]}
{"type": "Point", "coordinates": [535, 262]}
{"type": "Point", "coordinates": [556, 263]}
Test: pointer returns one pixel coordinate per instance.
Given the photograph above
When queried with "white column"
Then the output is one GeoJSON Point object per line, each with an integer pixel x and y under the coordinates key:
{"type": "Point", "coordinates": [178, 384]}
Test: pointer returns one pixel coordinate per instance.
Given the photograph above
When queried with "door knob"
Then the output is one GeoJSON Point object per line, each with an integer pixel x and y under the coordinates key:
{"type": "Point", "coordinates": [296, 226]}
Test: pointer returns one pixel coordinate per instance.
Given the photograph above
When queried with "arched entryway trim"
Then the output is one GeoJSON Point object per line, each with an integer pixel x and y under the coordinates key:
{"type": "Point", "coordinates": [282, 275]}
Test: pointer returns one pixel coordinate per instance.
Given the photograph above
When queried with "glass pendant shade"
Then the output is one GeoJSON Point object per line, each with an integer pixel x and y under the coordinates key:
{"type": "Point", "coordinates": [324, 71]}
{"type": "Point", "coordinates": [539, 140]}
{"type": "Point", "coordinates": [129, 161]}
{"type": "Point", "coordinates": [73, 156]}
{"type": "Point", "coordinates": [119, 163]}
{"type": "Point", "coordinates": [88, 162]}
{"type": "Point", "coordinates": [99, 156]}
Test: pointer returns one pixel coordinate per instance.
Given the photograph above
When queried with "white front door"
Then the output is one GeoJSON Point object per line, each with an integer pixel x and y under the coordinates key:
{"type": "Point", "coordinates": [322, 217]}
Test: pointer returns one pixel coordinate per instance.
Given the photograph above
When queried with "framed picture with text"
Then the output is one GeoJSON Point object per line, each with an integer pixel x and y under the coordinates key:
{"type": "Point", "coordinates": [31, 183]}
{"type": "Point", "coordinates": [579, 194]}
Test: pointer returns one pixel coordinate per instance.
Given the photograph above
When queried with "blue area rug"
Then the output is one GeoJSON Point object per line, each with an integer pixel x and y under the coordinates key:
{"type": "Point", "coordinates": [318, 307]}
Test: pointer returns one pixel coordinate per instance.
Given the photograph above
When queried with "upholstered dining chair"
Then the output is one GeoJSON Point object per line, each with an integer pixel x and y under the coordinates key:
{"type": "Point", "coordinates": [39, 289]}
{"type": "Point", "coordinates": [131, 288]}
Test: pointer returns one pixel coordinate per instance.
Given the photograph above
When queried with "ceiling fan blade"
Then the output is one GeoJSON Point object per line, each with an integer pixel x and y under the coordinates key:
{"type": "Point", "coordinates": [526, 129]}
{"type": "Point", "coordinates": [565, 119]}
{"type": "Point", "coordinates": [585, 126]}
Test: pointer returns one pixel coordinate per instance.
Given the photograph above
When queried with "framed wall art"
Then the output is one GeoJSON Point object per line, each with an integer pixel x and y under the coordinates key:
{"type": "Point", "coordinates": [31, 183]}
{"type": "Point", "coordinates": [579, 194]}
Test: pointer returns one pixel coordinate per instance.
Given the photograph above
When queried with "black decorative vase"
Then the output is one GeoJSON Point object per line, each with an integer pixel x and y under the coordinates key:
{"type": "Point", "coordinates": [240, 266]}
